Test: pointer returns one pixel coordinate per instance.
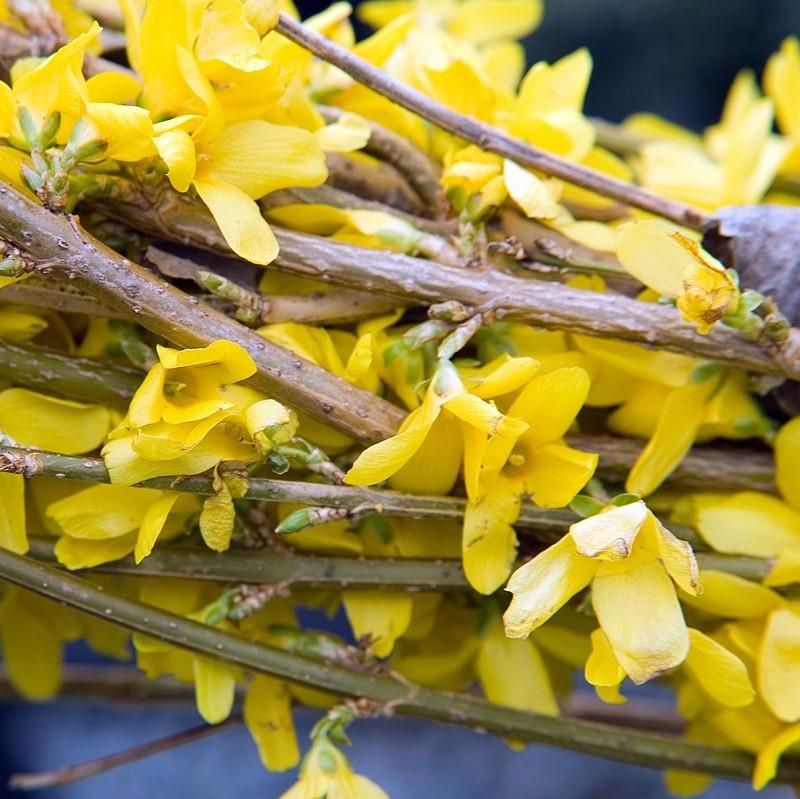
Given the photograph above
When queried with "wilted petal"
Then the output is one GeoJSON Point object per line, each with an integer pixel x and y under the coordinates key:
{"type": "Point", "coordinates": [610, 535]}
{"type": "Point", "coordinates": [382, 615]}
{"type": "Point", "coordinates": [638, 610]}
{"type": "Point", "coordinates": [268, 716]}
{"type": "Point", "coordinates": [545, 584]}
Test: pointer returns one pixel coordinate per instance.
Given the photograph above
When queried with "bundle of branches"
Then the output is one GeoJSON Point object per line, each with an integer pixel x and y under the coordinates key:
{"type": "Point", "coordinates": [396, 331]}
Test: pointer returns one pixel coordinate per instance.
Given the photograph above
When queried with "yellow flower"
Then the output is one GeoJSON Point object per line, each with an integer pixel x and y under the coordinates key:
{"type": "Point", "coordinates": [735, 164]}
{"type": "Point", "coordinates": [380, 616]}
{"type": "Point", "coordinates": [534, 461]}
{"type": "Point", "coordinates": [719, 673]}
{"type": "Point", "coordinates": [451, 425]}
{"type": "Point", "coordinates": [326, 774]}
{"type": "Point", "coordinates": [676, 266]}
{"type": "Point", "coordinates": [628, 556]}
{"type": "Point", "coordinates": [187, 415]}
{"type": "Point", "coordinates": [782, 84]}
{"type": "Point", "coordinates": [103, 523]}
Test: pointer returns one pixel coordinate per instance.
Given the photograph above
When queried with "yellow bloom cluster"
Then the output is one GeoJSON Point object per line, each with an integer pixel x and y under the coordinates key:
{"type": "Point", "coordinates": [560, 475]}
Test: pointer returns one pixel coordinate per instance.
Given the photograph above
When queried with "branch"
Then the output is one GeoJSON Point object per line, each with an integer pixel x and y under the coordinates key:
{"type": "Point", "coordinates": [419, 281]}
{"type": "Point", "coordinates": [75, 378]}
{"type": "Point", "coordinates": [265, 567]}
{"type": "Point", "coordinates": [393, 692]}
{"type": "Point", "coordinates": [183, 320]}
{"type": "Point", "coordinates": [66, 775]}
{"type": "Point", "coordinates": [410, 162]}
{"type": "Point", "coordinates": [551, 522]}
{"type": "Point", "coordinates": [485, 136]}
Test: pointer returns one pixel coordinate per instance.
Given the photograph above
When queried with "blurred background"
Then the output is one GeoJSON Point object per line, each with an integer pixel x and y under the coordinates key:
{"type": "Point", "coordinates": [673, 57]}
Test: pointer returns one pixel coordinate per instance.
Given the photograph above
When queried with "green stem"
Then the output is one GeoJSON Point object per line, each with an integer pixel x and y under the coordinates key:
{"type": "Point", "coordinates": [76, 378]}
{"type": "Point", "coordinates": [549, 522]}
{"type": "Point", "coordinates": [266, 567]}
{"type": "Point", "coordinates": [395, 693]}
{"type": "Point", "coordinates": [183, 320]}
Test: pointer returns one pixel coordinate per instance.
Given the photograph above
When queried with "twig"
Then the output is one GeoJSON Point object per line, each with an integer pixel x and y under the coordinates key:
{"type": "Point", "coordinates": [549, 522]}
{"type": "Point", "coordinates": [66, 775]}
{"type": "Point", "coordinates": [485, 136]}
{"type": "Point", "coordinates": [266, 567]}
{"type": "Point", "coordinates": [183, 320]}
{"type": "Point", "coordinates": [63, 298]}
{"type": "Point", "coordinates": [410, 162]}
{"type": "Point", "coordinates": [68, 376]}
{"type": "Point", "coordinates": [339, 198]}
{"type": "Point", "coordinates": [416, 280]}
{"type": "Point", "coordinates": [645, 749]}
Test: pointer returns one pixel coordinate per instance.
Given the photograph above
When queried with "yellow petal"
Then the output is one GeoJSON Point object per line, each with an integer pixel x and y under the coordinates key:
{"type": "Point", "coordinates": [510, 375]}
{"type": "Point", "coordinates": [648, 252]}
{"type": "Point", "coordinates": [535, 196]}
{"type": "Point", "coordinates": [148, 403]}
{"type": "Point", "coordinates": [153, 522]}
{"type": "Point", "coordinates": [102, 511]}
{"type": "Point", "coordinates": [482, 21]}
{"type": "Point", "coordinates": [777, 665]}
{"type": "Point", "coordinates": [602, 667]}
{"type": "Point", "coordinates": [79, 553]}
{"type": "Point", "coordinates": [676, 555]}
{"type": "Point", "coordinates": [433, 467]}
{"type": "Point", "coordinates": [113, 87]}
{"type": "Point", "coordinates": [785, 570]}
{"type": "Point", "coordinates": [13, 534]}
{"type": "Point", "coordinates": [239, 220]}
{"type": "Point", "coordinates": [513, 674]}
{"type": "Point", "coordinates": [214, 687]}
{"type": "Point", "coordinates": [769, 755]}
{"type": "Point", "coordinates": [554, 473]}
{"type": "Point", "coordinates": [268, 716]}
{"type": "Point", "coordinates": [217, 518]}
{"type": "Point", "coordinates": [610, 535]}
{"type": "Point", "coordinates": [674, 435]}
{"type": "Point", "coordinates": [31, 652]}
{"type": "Point", "coordinates": [36, 420]}
{"type": "Point", "coordinates": [638, 609]}
{"type": "Point", "coordinates": [734, 597]}
{"type": "Point", "coordinates": [127, 130]}
{"type": "Point", "coordinates": [550, 403]}
{"type": "Point", "coordinates": [787, 462]}
{"type": "Point", "coordinates": [728, 524]}
{"type": "Point", "coordinates": [176, 147]}
{"type": "Point", "coordinates": [349, 133]}
{"type": "Point", "coordinates": [489, 541]}
{"type": "Point", "coordinates": [718, 671]}
{"type": "Point", "coordinates": [545, 584]}
{"type": "Point", "coordinates": [257, 158]}
{"type": "Point", "coordinates": [484, 416]}
{"type": "Point", "coordinates": [382, 615]}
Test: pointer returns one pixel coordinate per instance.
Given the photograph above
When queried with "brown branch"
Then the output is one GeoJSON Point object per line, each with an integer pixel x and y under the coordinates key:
{"type": "Point", "coordinates": [183, 320]}
{"type": "Point", "coordinates": [423, 282]}
{"type": "Point", "coordinates": [419, 170]}
{"type": "Point", "coordinates": [66, 775]}
{"type": "Point", "coordinates": [485, 136]}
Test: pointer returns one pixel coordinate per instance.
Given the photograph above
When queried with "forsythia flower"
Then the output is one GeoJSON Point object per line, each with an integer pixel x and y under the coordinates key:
{"type": "Point", "coordinates": [676, 266]}
{"type": "Point", "coordinates": [630, 559]}
{"type": "Point", "coordinates": [326, 774]}
{"type": "Point", "coordinates": [187, 415]}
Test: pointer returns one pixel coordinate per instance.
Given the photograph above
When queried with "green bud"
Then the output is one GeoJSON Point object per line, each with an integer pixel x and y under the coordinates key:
{"type": "Point", "coordinates": [89, 151]}
{"type": "Point", "coordinates": [29, 128]}
{"type": "Point", "coordinates": [296, 521]}
{"type": "Point", "coordinates": [450, 311]}
{"type": "Point", "coordinates": [705, 371]}
{"type": "Point", "coordinates": [32, 178]}
{"type": "Point", "coordinates": [49, 129]}
{"type": "Point", "coordinates": [394, 351]}
{"type": "Point", "coordinates": [460, 337]}
{"type": "Point", "coordinates": [278, 462]}
{"type": "Point", "coordinates": [585, 506]}
{"type": "Point", "coordinates": [625, 499]}
{"type": "Point", "coordinates": [12, 267]}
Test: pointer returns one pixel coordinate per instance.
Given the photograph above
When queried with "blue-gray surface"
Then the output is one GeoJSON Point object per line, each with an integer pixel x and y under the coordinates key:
{"type": "Point", "coordinates": [409, 759]}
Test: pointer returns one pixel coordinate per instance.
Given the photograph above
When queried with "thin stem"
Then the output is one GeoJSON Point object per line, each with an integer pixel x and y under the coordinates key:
{"type": "Point", "coordinates": [485, 136]}
{"type": "Point", "coordinates": [76, 378]}
{"type": "Point", "coordinates": [549, 522]}
{"type": "Point", "coordinates": [423, 282]}
{"type": "Point", "coordinates": [66, 775]}
{"type": "Point", "coordinates": [398, 151]}
{"type": "Point", "coordinates": [266, 567]}
{"type": "Point", "coordinates": [394, 693]}
{"type": "Point", "coordinates": [183, 320]}
{"type": "Point", "coordinates": [63, 298]}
